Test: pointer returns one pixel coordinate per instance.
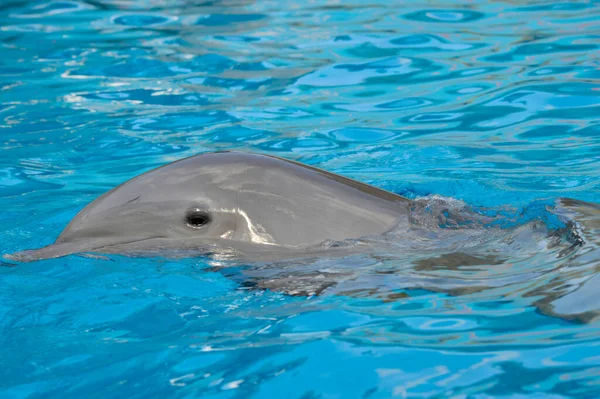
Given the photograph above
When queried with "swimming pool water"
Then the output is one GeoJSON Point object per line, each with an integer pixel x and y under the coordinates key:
{"type": "Point", "coordinates": [495, 103]}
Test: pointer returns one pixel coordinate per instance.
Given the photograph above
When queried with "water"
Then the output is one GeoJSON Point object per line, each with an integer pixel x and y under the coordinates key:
{"type": "Point", "coordinates": [493, 104]}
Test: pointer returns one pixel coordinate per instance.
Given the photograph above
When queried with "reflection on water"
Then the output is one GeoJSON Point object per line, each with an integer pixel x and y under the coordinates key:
{"type": "Point", "coordinates": [492, 103]}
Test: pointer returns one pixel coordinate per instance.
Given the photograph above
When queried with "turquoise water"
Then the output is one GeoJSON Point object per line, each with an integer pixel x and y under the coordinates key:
{"type": "Point", "coordinates": [496, 104]}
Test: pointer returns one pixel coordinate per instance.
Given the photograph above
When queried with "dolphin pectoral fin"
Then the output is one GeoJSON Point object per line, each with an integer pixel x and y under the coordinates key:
{"type": "Point", "coordinates": [49, 252]}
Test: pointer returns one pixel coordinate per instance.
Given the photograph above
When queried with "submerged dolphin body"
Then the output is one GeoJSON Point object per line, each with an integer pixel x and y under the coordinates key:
{"type": "Point", "coordinates": [243, 201]}
{"type": "Point", "coordinates": [306, 231]}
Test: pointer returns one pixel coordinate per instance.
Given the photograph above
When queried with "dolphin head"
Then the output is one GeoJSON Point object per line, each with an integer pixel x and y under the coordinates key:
{"type": "Point", "coordinates": [171, 204]}
{"type": "Point", "coordinates": [220, 199]}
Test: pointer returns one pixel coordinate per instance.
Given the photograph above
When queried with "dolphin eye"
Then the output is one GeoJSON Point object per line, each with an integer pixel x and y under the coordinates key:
{"type": "Point", "coordinates": [197, 218]}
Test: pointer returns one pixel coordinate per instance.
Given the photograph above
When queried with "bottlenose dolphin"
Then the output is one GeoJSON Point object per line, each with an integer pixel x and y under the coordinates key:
{"type": "Point", "coordinates": [306, 231]}
{"type": "Point", "coordinates": [243, 201]}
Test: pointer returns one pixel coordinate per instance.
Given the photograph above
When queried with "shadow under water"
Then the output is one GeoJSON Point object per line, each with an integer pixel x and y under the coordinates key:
{"type": "Point", "coordinates": [545, 255]}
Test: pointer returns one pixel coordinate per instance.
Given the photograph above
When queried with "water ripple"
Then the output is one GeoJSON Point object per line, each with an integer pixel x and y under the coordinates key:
{"type": "Point", "coordinates": [489, 107]}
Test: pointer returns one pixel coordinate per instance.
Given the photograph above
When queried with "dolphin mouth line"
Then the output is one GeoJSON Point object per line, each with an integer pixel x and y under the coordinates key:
{"type": "Point", "coordinates": [99, 249]}
{"type": "Point", "coordinates": [61, 249]}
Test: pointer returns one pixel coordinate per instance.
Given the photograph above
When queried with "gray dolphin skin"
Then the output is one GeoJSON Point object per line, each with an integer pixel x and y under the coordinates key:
{"type": "Point", "coordinates": [227, 199]}
{"type": "Point", "coordinates": [303, 231]}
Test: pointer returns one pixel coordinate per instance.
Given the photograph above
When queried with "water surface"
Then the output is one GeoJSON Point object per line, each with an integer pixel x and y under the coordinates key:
{"type": "Point", "coordinates": [492, 104]}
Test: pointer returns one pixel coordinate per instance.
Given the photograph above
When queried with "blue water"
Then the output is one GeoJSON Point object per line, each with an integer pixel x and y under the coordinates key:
{"type": "Point", "coordinates": [493, 103]}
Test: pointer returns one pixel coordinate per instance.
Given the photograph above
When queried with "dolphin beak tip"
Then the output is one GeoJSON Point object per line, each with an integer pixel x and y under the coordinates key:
{"type": "Point", "coordinates": [22, 256]}
{"type": "Point", "coordinates": [31, 255]}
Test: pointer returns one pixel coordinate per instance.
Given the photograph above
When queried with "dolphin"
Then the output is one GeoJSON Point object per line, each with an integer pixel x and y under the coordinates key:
{"type": "Point", "coordinates": [296, 223]}
{"type": "Point", "coordinates": [240, 201]}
